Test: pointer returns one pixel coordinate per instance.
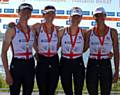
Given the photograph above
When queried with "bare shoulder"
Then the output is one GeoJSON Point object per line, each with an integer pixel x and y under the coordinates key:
{"type": "Point", "coordinates": [10, 31]}
{"type": "Point", "coordinates": [11, 25]}
{"type": "Point", "coordinates": [59, 27]}
{"type": "Point", "coordinates": [114, 34]}
{"type": "Point", "coordinates": [61, 31]}
{"type": "Point", "coordinates": [36, 25]}
{"type": "Point", "coordinates": [88, 32]}
{"type": "Point", "coordinates": [9, 35]}
{"type": "Point", "coordinates": [113, 31]}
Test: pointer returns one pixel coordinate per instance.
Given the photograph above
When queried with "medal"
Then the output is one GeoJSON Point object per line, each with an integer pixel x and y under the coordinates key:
{"type": "Point", "coordinates": [27, 45]}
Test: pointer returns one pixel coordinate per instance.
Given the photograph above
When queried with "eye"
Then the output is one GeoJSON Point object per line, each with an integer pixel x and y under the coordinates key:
{"type": "Point", "coordinates": [97, 15]}
{"type": "Point", "coordinates": [51, 13]}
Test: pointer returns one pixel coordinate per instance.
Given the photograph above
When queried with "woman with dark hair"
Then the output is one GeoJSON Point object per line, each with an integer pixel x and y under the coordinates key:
{"type": "Point", "coordinates": [21, 39]}
{"type": "Point", "coordinates": [101, 40]}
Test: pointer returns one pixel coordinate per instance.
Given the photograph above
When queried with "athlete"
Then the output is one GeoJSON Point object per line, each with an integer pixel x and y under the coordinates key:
{"type": "Point", "coordinates": [22, 67]}
{"type": "Point", "coordinates": [72, 47]}
{"type": "Point", "coordinates": [47, 69]}
{"type": "Point", "coordinates": [101, 39]}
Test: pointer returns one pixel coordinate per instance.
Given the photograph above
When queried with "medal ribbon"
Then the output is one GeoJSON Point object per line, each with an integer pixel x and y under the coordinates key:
{"type": "Point", "coordinates": [73, 42]}
{"type": "Point", "coordinates": [101, 39]}
{"type": "Point", "coordinates": [27, 37]}
{"type": "Point", "coordinates": [49, 37]}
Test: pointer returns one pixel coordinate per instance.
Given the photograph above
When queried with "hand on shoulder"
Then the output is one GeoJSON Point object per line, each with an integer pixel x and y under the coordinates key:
{"type": "Point", "coordinates": [11, 25]}
{"type": "Point", "coordinates": [59, 28]}
{"type": "Point", "coordinates": [36, 25]}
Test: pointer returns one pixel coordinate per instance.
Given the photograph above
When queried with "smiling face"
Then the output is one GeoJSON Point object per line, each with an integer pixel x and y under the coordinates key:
{"type": "Point", "coordinates": [25, 14]}
{"type": "Point", "coordinates": [99, 17]}
{"type": "Point", "coordinates": [75, 19]}
{"type": "Point", "coordinates": [49, 16]}
{"type": "Point", "coordinates": [49, 13]}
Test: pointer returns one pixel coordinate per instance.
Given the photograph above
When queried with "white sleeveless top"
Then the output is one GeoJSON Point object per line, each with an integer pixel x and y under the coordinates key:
{"type": "Point", "coordinates": [68, 51]}
{"type": "Point", "coordinates": [19, 47]}
{"type": "Point", "coordinates": [45, 47]}
{"type": "Point", "coordinates": [98, 51]}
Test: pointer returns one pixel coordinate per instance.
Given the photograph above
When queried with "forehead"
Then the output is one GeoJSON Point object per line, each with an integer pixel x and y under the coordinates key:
{"type": "Point", "coordinates": [51, 12]}
{"type": "Point", "coordinates": [99, 14]}
{"type": "Point", "coordinates": [26, 10]}
{"type": "Point", "coordinates": [76, 16]}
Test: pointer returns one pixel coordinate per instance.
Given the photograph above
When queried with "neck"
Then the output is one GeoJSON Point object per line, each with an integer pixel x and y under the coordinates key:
{"type": "Point", "coordinates": [101, 27]}
{"type": "Point", "coordinates": [74, 25]}
{"type": "Point", "coordinates": [23, 22]}
{"type": "Point", "coordinates": [101, 30]}
{"type": "Point", "coordinates": [49, 24]}
{"type": "Point", "coordinates": [49, 27]}
{"type": "Point", "coordinates": [23, 25]}
{"type": "Point", "coordinates": [73, 29]}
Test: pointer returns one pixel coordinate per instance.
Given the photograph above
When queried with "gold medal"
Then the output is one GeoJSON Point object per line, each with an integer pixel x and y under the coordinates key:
{"type": "Point", "coordinates": [27, 45]}
{"type": "Point", "coordinates": [48, 45]}
{"type": "Point", "coordinates": [102, 48]}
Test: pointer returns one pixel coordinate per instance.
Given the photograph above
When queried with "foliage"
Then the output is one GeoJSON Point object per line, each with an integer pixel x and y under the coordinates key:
{"type": "Point", "coordinates": [115, 86]}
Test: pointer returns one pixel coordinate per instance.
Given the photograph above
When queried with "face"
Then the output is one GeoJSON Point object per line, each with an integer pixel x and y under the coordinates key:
{"type": "Point", "coordinates": [100, 17]}
{"type": "Point", "coordinates": [25, 14]}
{"type": "Point", "coordinates": [75, 19]}
{"type": "Point", "coordinates": [49, 17]}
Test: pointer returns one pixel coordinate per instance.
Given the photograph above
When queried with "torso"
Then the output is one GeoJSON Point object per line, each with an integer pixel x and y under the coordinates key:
{"type": "Point", "coordinates": [19, 43]}
{"type": "Point", "coordinates": [103, 47]}
{"type": "Point", "coordinates": [47, 46]}
{"type": "Point", "coordinates": [77, 48]}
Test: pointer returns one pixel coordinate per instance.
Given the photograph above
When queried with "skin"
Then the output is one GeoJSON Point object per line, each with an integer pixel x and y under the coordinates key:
{"type": "Point", "coordinates": [100, 20]}
{"type": "Point", "coordinates": [49, 17]}
{"type": "Point", "coordinates": [24, 16]}
{"type": "Point", "coordinates": [75, 21]}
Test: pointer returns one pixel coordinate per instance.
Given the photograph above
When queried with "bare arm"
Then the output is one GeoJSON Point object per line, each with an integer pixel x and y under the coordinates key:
{"type": "Point", "coordinates": [6, 43]}
{"type": "Point", "coordinates": [114, 35]}
{"type": "Point", "coordinates": [60, 34]}
{"type": "Point", "coordinates": [35, 28]}
{"type": "Point", "coordinates": [84, 37]}
{"type": "Point", "coordinates": [35, 44]}
{"type": "Point", "coordinates": [87, 37]}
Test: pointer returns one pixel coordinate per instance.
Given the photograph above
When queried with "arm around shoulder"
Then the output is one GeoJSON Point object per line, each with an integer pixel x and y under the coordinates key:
{"type": "Point", "coordinates": [35, 27]}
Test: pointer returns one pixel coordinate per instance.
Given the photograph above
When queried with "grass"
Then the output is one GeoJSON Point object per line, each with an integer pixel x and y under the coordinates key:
{"type": "Point", "coordinates": [115, 86]}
